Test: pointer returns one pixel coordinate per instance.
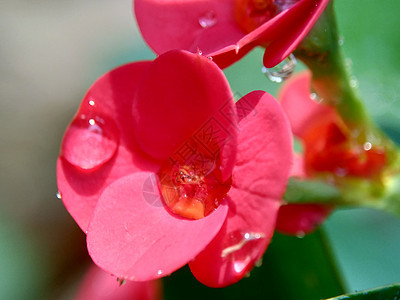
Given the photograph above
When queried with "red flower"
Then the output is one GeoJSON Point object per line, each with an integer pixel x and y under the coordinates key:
{"type": "Point", "coordinates": [329, 148]}
{"type": "Point", "coordinates": [99, 285]}
{"type": "Point", "coordinates": [227, 29]}
{"type": "Point", "coordinates": [300, 219]}
{"type": "Point", "coordinates": [171, 127]}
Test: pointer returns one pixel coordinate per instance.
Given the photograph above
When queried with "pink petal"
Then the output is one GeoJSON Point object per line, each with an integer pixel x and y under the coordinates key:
{"type": "Point", "coordinates": [99, 285]}
{"type": "Point", "coordinates": [138, 239]}
{"type": "Point", "coordinates": [99, 145]}
{"type": "Point", "coordinates": [171, 24]}
{"type": "Point", "coordinates": [185, 96]}
{"type": "Point", "coordinates": [258, 182]}
{"type": "Point", "coordinates": [302, 111]}
{"type": "Point", "coordinates": [288, 29]}
{"type": "Point", "coordinates": [301, 219]}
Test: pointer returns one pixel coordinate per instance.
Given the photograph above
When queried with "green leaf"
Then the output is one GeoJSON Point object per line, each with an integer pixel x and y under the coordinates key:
{"type": "Point", "coordinates": [390, 292]}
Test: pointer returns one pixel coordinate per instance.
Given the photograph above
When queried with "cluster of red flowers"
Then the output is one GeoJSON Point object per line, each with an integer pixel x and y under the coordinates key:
{"type": "Point", "coordinates": [161, 168]}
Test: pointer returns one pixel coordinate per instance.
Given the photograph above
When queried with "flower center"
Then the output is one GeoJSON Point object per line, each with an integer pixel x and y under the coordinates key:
{"type": "Point", "coordinates": [250, 14]}
{"type": "Point", "coordinates": [330, 147]}
{"type": "Point", "coordinates": [192, 188]}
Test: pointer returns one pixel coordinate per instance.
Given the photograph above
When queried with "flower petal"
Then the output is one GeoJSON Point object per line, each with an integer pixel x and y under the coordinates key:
{"type": "Point", "coordinates": [301, 219]}
{"type": "Point", "coordinates": [185, 96]}
{"type": "Point", "coordinates": [172, 24]}
{"type": "Point", "coordinates": [258, 182]}
{"type": "Point", "coordinates": [99, 145]}
{"type": "Point", "coordinates": [133, 236]}
{"type": "Point", "coordinates": [210, 26]}
{"type": "Point", "coordinates": [302, 111]}
{"type": "Point", "coordinates": [288, 29]}
{"type": "Point", "coordinates": [100, 285]}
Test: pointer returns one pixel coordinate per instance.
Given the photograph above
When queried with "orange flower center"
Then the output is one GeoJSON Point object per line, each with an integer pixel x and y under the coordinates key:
{"type": "Point", "coordinates": [193, 188]}
{"type": "Point", "coordinates": [329, 147]}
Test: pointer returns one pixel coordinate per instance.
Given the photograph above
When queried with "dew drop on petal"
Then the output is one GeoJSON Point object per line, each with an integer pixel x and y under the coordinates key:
{"type": "Point", "coordinates": [282, 70]}
{"type": "Point", "coordinates": [367, 146]}
{"type": "Point", "coordinates": [208, 19]}
{"type": "Point", "coordinates": [193, 189]}
{"type": "Point", "coordinates": [58, 195]}
{"type": "Point", "coordinates": [90, 141]}
{"type": "Point", "coordinates": [160, 272]}
{"type": "Point", "coordinates": [242, 248]}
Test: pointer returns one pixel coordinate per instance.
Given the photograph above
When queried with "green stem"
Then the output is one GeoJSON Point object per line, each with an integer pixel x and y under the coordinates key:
{"type": "Point", "coordinates": [321, 52]}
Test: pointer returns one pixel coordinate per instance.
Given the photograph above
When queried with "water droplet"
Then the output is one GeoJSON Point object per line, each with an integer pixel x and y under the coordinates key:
{"type": "Point", "coordinates": [367, 146]}
{"type": "Point", "coordinates": [91, 102]}
{"type": "Point", "coordinates": [353, 82]}
{"type": "Point", "coordinates": [199, 52]}
{"type": "Point", "coordinates": [160, 272]}
{"type": "Point", "coordinates": [242, 248]}
{"type": "Point", "coordinates": [192, 188]}
{"type": "Point", "coordinates": [210, 58]}
{"type": "Point", "coordinates": [208, 20]}
{"type": "Point", "coordinates": [90, 141]}
{"type": "Point", "coordinates": [300, 234]}
{"type": "Point", "coordinates": [316, 98]}
{"type": "Point", "coordinates": [282, 70]}
{"type": "Point", "coordinates": [58, 195]}
{"type": "Point", "coordinates": [259, 262]}
{"type": "Point", "coordinates": [341, 40]}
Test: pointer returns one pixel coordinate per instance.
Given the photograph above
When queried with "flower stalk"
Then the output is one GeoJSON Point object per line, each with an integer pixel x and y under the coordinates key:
{"type": "Point", "coordinates": [333, 84]}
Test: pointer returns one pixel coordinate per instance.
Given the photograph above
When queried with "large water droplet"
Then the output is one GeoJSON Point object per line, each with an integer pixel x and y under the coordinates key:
{"type": "Point", "coordinates": [208, 20]}
{"type": "Point", "coordinates": [282, 70]}
{"type": "Point", "coordinates": [90, 141]}
{"type": "Point", "coordinates": [242, 249]}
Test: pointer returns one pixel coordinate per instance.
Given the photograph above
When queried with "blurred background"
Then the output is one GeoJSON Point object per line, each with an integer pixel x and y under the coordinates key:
{"type": "Point", "coordinates": [52, 51]}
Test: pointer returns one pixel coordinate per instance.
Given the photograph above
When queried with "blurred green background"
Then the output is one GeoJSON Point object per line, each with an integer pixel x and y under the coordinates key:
{"type": "Point", "coordinates": [51, 52]}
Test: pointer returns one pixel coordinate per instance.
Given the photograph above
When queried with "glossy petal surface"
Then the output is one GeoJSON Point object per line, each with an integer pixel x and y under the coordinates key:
{"type": "Point", "coordinates": [104, 121]}
{"type": "Point", "coordinates": [150, 241]}
{"type": "Point", "coordinates": [258, 182]}
{"type": "Point", "coordinates": [210, 26]}
{"type": "Point", "coordinates": [181, 97]}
